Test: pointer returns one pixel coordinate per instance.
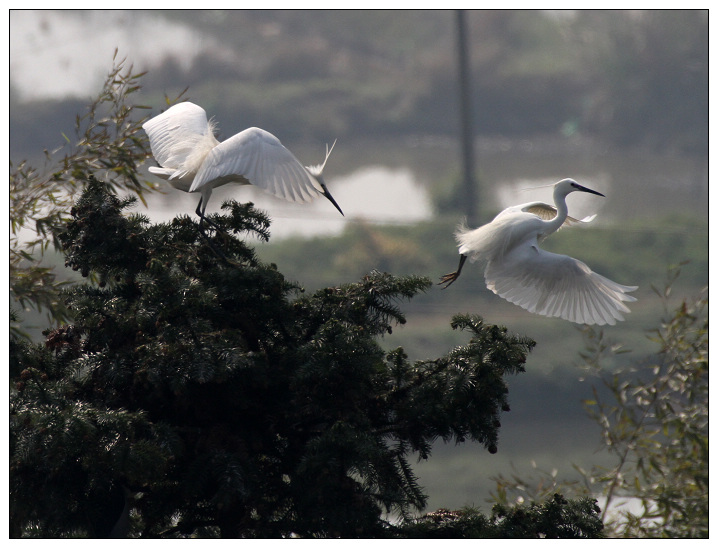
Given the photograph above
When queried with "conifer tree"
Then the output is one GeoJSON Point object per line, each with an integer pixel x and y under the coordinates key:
{"type": "Point", "coordinates": [555, 518]}
{"type": "Point", "coordinates": [198, 392]}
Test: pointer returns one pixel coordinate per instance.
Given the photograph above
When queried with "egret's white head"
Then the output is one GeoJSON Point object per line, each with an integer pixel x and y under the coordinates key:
{"type": "Point", "coordinates": [566, 186]}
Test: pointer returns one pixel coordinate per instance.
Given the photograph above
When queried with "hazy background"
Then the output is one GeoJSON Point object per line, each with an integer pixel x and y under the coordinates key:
{"type": "Point", "coordinates": [617, 100]}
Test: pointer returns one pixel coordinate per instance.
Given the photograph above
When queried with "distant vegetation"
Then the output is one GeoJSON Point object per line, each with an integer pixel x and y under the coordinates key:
{"type": "Point", "coordinates": [637, 251]}
{"type": "Point", "coordinates": [633, 79]}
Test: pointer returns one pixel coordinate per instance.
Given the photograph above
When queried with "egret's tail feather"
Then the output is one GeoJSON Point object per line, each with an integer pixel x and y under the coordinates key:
{"type": "Point", "coordinates": [488, 242]}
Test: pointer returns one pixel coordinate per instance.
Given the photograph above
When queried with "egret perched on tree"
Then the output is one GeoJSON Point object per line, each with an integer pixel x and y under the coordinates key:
{"type": "Point", "coordinates": [193, 160]}
{"type": "Point", "coordinates": [541, 282]}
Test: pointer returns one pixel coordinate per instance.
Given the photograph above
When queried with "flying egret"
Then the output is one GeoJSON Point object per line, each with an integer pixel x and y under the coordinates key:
{"type": "Point", "coordinates": [191, 159]}
{"type": "Point", "coordinates": [541, 282]}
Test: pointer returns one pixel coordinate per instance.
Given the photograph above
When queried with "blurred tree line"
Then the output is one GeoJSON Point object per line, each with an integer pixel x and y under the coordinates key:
{"type": "Point", "coordinates": [634, 78]}
{"type": "Point", "coordinates": [186, 396]}
{"type": "Point", "coordinates": [191, 394]}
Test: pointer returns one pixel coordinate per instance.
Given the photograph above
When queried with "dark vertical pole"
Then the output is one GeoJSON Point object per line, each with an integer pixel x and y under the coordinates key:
{"type": "Point", "coordinates": [467, 134]}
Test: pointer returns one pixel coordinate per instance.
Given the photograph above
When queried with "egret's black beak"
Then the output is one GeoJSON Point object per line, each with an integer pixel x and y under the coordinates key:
{"type": "Point", "coordinates": [584, 189]}
{"type": "Point", "coordinates": [331, 198]}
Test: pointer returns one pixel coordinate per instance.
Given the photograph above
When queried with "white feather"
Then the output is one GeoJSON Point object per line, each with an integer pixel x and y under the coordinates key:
{"type": "Point", "coordinates": [180, 139]}
{"type": "Point", "coordinates": [192, 160]}
{"type": "Point", "coordinates": [555, 285]}
{"type": "Point", "coordinates": [539, 281]}
{"type": "Point", "coordinates": [257, 157]}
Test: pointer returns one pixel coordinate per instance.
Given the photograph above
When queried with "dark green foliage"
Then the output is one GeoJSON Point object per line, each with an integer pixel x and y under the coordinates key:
{"type": "Point", "coordinates": [461, 393]}
{"type": "Point", "coordinates": [214, 398]}
{"type": "Point", "coordinates": [555, 518]}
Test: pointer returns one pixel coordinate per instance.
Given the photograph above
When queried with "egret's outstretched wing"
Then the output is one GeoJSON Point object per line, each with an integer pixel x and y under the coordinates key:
{"type": "Point", "coordinates": [545, 212]}
{"type": "Point", "coordinates": [259, 158]}
{"type": "Point", "coordinates": [175, 133]}
{"type": "Point", "coordinates": [557, 285]}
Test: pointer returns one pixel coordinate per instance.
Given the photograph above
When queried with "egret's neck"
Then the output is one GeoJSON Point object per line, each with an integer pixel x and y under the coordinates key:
{"type": "Point", "coordinates": [559, 200]}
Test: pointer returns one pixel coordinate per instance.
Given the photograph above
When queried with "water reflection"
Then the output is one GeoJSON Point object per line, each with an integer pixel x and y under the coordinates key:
{"type": "Point", "coordinates": [383, 195]}
{"type": "Point", "coordinates": [376, 194]}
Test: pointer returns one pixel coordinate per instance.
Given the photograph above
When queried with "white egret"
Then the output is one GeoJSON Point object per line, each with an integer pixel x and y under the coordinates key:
{"type": "Point", "coordinates": [191, 159]}
{"type": "Point", "coordinates": [539, 281]}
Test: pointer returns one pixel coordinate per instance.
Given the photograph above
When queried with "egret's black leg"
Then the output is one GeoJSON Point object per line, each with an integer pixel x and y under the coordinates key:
{"type": "Point", "coordinates": [449, 279]}
{"type": "Point", "coordinates": [198, 211]}
{"type": "Point", "coordinates": [202, 219]}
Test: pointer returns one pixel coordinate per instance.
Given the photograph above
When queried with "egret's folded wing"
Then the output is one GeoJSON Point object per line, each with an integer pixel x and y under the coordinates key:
{"type": "Point", "coordinates": [557, 285]}
{"type": "Point", "coordinates": [162, 172]}
{"type": "Point", "coordinates": [258, 157]}
{"type": "Point", "coordinates": [545, 212]}
{"type": "Point", "coordinates": [571, 221]}
{"type": "Point", "coordinates": [175, 133]}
